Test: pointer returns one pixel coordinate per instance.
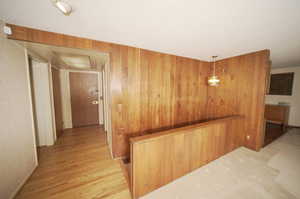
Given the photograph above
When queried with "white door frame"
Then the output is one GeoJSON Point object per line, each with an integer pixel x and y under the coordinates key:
{"type": "Point", "coordinates": [107, 104]}
{"type": "Point", "coordinates": [45, 119]}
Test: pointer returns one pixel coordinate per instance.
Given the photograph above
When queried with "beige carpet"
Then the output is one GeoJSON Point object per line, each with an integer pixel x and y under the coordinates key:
{"type": "Point", "coordinates": [272, 173]}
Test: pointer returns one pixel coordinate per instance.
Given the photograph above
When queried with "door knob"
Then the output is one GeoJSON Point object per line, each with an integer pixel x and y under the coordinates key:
{"type": "Point", "coordinates": [95, 102]}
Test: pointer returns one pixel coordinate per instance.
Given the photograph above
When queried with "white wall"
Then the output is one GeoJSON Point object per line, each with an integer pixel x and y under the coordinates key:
{"type": "Point", "coordinates": [17, 141]}
{"type": "Point", "coordinates": [294, 99]}
{"type": "Point", "coordinates": [107, 105]}
{"type": "Point", "coordinates": [42, 103]}
{"type": "Point", "coordinates": [52, 100]}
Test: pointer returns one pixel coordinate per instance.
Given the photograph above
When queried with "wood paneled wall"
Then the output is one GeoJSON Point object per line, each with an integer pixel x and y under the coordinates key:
{"type": "Point", "coordinates": [152, 91]}
{"type": "Point", "coordinates": [160, 158]}
{"type": "Point", "coordinates": [242, 92]}
{"type": "Point", "coordinates": [157, 91]}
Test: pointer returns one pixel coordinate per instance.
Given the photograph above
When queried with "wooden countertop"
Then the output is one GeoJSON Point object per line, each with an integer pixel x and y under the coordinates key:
{"type": "Point", "coordinates": [181, 129]}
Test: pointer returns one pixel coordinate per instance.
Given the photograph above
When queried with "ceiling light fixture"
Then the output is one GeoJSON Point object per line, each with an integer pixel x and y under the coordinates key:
{"type": "Point", "coordinates": [213, 80]}
{"type": "Point", "coordinates": [64, 7]}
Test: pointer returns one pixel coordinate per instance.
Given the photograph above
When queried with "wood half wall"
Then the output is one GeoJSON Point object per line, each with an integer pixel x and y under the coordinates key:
{"type": "Point", "coordinates": [152, 91]}
{"type": "Point", "coordinates": [160, 158]}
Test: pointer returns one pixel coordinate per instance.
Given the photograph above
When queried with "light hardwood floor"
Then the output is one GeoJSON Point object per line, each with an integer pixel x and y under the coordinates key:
{"type": "Point", "coordinates": [77, 166]}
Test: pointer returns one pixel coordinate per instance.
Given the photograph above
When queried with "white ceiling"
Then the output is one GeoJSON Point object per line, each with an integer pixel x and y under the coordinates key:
{"type": "Point", "coordinates": [191, 28]}
{"type": "Point", "coordinates": [67, 58]}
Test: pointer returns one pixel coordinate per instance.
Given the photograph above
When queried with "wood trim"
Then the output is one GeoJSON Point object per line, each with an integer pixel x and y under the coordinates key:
{"type": "Point", "coordinates": [172, 132]}
{"type": "Point", "coordinates": [44, 37]}
{"type": "Point", "coordinates": [260, 91]}
{"type": "Point", "coordinates": [275, 122]}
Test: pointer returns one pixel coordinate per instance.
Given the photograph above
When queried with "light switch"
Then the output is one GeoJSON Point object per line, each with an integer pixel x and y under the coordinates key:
{"type": "Point", "coordinates": [7, 30]}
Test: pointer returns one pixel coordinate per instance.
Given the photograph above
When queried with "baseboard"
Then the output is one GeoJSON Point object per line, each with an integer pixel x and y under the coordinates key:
{"type": "Point", "coordinates": [20, 186]}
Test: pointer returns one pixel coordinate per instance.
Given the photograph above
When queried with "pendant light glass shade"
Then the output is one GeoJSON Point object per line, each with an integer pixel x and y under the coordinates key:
{"type": "Point", "coordinates": [214, 80]}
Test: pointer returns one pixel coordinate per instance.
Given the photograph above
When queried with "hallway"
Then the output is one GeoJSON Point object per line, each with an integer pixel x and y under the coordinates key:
{"type": "Point", "coordinates": [77, 166]}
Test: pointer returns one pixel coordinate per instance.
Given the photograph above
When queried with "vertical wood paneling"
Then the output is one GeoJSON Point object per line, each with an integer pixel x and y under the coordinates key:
{"type": "Point", "coordinates": [156, 91]}
{"type": "Point", "coordinates": [160, 158]}
{"type": "Point", "coordinates": [242, 91]}
{"type": "Point", "coordinates": [151, 90]}
{"type": "Point", "coordinates": [119, 97]}
{"type": "Point", "coordinates": [134, 90]}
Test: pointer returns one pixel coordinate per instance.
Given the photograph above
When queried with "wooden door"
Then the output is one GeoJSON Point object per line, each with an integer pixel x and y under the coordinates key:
{"type": "Point", "coordinates": [57, 101]}
{"type": "Point", "coordinates": [84, 98]}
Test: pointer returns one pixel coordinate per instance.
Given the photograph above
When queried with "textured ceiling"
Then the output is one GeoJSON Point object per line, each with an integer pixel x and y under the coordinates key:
{"type": "Point", "coordinates": [191, 28]}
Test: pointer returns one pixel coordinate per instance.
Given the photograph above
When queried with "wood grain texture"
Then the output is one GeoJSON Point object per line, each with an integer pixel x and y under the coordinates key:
{"type": "Point", "coordinates": [151, 91]}
{"type": "Point", "coordinates": [273, 132]}
{"type": "Point", "coordinates": [84, 90]}
{"type": "Point", "coordinates": [57, 101]}
{"type": "Point", "coordinates": [160, 158]}
{"type": "Point", "coordinates": [242, 92]}
{"type": "Point", "coordinates": [79, 165]}
{"type": "Point", "coordinates": [278, 114]}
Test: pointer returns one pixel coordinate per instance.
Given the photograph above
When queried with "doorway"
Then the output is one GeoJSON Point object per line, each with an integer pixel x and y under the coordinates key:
{"type": "Point", "coordinates": [84, 91]}
{"type": "Point", "coordinates": [40, 83]}
{"type": "Point", "coordinates": [77, 88]}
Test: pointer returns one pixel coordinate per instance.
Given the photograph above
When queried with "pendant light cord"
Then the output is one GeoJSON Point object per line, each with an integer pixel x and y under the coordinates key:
{"type": "Point", "coordinates": [214, 59]}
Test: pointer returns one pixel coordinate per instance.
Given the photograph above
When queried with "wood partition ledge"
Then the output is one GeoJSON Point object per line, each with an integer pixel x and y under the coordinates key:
{"type": "Point", "coordinates": [160, 158]}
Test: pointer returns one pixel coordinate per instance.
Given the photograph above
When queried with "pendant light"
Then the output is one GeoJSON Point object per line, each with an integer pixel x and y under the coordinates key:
{"type": "Point", "coordinates": [213, 80]}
